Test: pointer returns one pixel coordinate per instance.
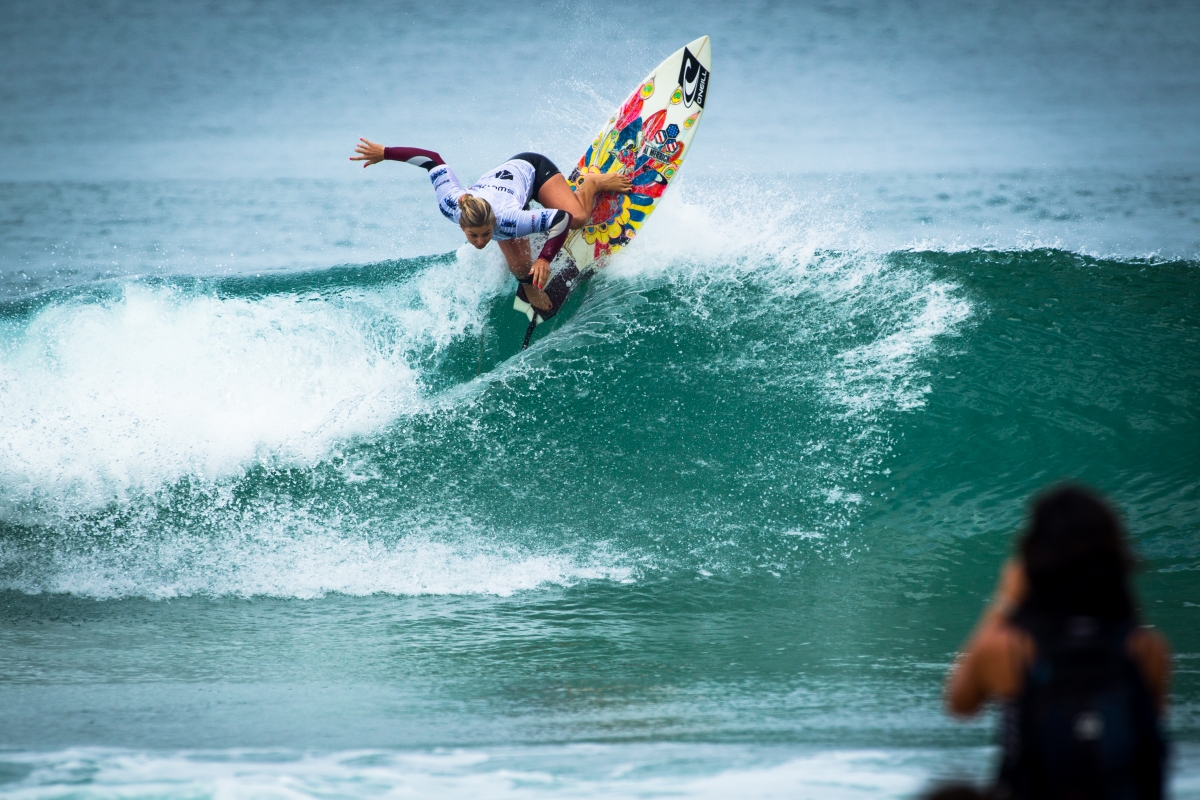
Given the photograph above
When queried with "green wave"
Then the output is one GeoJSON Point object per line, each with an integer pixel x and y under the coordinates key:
{"type": "Point", "coordinates": [738, 420]}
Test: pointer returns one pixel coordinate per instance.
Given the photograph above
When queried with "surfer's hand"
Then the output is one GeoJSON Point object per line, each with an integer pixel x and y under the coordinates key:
{"type": "Point", "coordinates": [369, 152]}
{"type": "Point", "coordinates": [541, 273]}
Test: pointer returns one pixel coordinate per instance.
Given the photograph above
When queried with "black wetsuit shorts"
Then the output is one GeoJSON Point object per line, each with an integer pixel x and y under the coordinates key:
{"type": "Point", "coordinates": [543, 170]}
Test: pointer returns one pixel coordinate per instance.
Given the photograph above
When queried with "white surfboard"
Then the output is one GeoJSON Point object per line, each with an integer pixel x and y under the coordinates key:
{"type": "Point", "coordinates": [647, 139]}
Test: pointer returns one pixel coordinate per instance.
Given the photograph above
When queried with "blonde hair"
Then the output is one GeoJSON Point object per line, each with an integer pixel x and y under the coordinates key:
{"type": "Point", "coordinates": [475, 212]}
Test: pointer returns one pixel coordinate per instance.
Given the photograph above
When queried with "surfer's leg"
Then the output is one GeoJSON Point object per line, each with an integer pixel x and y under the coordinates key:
{"type": "Point", "coordinates": [520, 259]}
{"type": "Point", "coordinates": [556, 193]}
{"type": "Point", "coordinates": [517, 254]}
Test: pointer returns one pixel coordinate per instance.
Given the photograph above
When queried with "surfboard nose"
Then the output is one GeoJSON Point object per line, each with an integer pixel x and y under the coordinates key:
{"type": "Point", "coordinates": [702, 50]}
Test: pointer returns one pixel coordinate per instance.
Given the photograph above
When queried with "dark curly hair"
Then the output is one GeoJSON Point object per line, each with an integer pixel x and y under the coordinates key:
{"type": "Point", "coordinates": [1076, 558]}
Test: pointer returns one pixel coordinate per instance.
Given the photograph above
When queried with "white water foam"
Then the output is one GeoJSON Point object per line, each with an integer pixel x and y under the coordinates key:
{"type": "Point", "coordinates": [577, 771]}
{"type": "Point", "coordinates": [885, 372]}
{"type": "Point", "coordinates": [307, 559]}
{"type": "Point", "coordinates": [105, 406]}
{"type": "Point", "coordinates": [739, 230]}
{"type": "Point", "coordinates": [99, 400]}
{"type": "Point", "coordinates": [668, 770]}
{"type": "Point", "coordinates": [763, 235]}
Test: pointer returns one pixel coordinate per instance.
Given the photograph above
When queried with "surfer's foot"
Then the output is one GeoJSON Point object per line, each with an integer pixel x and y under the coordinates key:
{"type": "Point", "coordinates": [611, 182]}
{"type": "Point", "coordinates": [537, 298]}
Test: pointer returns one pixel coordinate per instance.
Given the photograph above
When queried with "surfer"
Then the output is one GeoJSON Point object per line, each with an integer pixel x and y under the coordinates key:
{"type": "Point", "coordinates": [497, 206]}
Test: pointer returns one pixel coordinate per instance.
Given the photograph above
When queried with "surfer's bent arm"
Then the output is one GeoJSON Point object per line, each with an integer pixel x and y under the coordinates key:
{"type": "Point", "coordinates": [553, 222]}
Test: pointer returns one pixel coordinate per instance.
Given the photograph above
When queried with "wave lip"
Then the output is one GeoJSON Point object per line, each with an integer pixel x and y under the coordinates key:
{"type": "Point", "coordinates": [98, 400]}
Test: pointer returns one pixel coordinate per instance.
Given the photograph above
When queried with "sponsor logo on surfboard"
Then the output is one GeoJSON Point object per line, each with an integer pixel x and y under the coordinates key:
{"type": "Point", "coordinates": [663, 146]}
{"type": "Point", "coordinates": [693, 79]}
{"type": "Point", "coordinates": [665, 154]}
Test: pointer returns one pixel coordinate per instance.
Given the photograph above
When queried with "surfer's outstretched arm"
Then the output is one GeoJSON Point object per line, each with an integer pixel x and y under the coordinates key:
{"type": "Point", "coordinates": [445, 182]}
{"type": "Point", "coordinates": [373, 153]}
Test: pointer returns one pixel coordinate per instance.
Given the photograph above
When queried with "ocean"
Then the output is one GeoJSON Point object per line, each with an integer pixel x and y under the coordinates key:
{"type": "Point", "coordinates": [285, 511]}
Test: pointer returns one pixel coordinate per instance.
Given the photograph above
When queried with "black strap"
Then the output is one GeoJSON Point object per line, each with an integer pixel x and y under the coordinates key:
{"type": "Point", "coordinates": [529, 331]}
{"type": "Point", "coordinates": [528, 279]}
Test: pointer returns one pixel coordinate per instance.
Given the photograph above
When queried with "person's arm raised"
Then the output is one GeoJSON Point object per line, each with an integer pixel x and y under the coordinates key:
{"type": "Point", "coordinates": [373, 152]}
{"type": "Point", "coordinates": [368, 151]}
{"type": "Point", "coordinates": [990, 662]}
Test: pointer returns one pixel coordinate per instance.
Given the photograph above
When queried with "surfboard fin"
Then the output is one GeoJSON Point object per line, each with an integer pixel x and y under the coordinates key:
{"type": "Point", "coordinates": [559, 289]}
{"type": "Point", "coordinates": [525, 308]}
{"type": "Point", "coordinates": [533, 323]}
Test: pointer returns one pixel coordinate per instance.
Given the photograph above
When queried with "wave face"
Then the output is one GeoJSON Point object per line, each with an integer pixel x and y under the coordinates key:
{"type": "Point", "coordinates": [284, 510]}
{"type": "Point", "coordinates": [324, 431]}
{"type": "Point", "coordinates": [704, 408]}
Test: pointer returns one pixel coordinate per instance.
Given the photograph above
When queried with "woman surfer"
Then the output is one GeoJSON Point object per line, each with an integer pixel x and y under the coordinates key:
{"type": "Point", "coordinates": [497, 205]}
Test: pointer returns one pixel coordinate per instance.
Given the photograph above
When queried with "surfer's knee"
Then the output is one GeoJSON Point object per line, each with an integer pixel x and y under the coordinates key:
{"type": "Point", "coordinates": [578, 221]}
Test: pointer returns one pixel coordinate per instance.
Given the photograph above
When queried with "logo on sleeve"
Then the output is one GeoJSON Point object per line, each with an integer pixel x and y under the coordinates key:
{"type": "Point", "coordinates": [693, 79]}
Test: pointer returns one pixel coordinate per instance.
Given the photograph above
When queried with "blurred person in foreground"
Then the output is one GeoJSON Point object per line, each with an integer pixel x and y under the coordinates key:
{"type": "Point", "coordinates": [1083, 681]}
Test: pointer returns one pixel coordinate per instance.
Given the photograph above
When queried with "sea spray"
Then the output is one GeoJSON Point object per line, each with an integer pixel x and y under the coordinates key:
{"type": "Point", "coordinates": [295, 436]}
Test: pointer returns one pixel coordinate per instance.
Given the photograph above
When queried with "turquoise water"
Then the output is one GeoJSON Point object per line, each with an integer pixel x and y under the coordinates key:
{"type": "Point", "coordinates": [723, 507]}
{"type": "Point", "coordinates": [285, 512]}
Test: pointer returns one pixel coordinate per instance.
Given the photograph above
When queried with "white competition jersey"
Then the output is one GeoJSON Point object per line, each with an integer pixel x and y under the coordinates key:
{"type": "Point", "coordinates": [507, 188]}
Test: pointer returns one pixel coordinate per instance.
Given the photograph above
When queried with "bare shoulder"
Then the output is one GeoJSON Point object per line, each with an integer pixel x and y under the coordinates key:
{"type": "Point", "coordinates": [989, 668]}
{"type": "Point", "coordinates": [1152, 652]}
{"type": "Point", "coordinates": [1147, 638]}
{"type": "Point", "coordinates": [1150, 647]}
{"type": "Point", "coordinates": [1003, 641]}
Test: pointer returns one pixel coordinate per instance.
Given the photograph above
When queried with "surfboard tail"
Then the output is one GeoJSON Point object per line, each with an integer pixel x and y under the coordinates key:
{"type": "Point", "coordinates": [559, 289]}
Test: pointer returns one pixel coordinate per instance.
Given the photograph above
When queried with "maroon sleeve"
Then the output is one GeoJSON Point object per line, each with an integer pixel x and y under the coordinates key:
{"type": "Point", "coordinates": [559, 229]}
{"type": "Point", "coordinates": [426, 159]}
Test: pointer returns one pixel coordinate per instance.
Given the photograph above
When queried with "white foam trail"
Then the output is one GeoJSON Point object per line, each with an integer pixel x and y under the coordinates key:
{"type": "Point", "coordinates": [736, 229]}
{"type": "Point", "coordinates": [884, 372]}
{"type": "Point", "coordinates": [302, 559]}
{"type": "Point", "coordinates": [101, 399]}
{"type": "Point", "coordinates": [722, 237]}
{"type": "Point", "coordinates": [697, 771]}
